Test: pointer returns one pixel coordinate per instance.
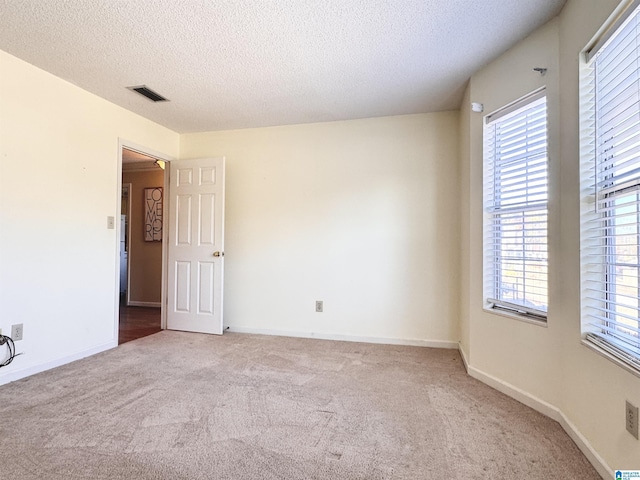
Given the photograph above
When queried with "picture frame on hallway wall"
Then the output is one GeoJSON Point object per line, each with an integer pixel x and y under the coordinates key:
{"type": "Point", "coordinates": [153, 214]}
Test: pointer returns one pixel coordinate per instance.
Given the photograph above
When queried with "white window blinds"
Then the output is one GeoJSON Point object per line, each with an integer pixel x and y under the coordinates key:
{"type": "Point", "coordinates": [515, 194]}
{"type": "Point", "coordinates": [611, 268]}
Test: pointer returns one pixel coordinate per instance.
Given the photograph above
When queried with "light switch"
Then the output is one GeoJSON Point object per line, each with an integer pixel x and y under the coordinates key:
{"type": "Point", "coordinates": [111, 223]}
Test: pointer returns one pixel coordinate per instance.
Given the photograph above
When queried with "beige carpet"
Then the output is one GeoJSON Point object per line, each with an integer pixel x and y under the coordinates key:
{"type": "Point", "coordinates": [186, 406]}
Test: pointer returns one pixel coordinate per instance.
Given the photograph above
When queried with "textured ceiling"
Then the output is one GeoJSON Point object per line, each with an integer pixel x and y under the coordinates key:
{"type": "Point", "coordinates": [227, 64]}
{"type": "Point", "coordinates": [130, 157]}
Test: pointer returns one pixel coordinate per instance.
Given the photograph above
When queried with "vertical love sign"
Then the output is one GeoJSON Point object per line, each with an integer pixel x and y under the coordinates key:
{"type": "Point", "coordinates": [153, 214]}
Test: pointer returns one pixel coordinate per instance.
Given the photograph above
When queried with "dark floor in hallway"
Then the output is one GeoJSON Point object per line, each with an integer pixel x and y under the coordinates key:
{"type": "Point", "coordinates": [137, 322]}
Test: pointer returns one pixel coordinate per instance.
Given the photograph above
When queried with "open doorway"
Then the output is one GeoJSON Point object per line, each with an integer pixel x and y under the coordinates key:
{"type": "Point", "coordinates": [141, 254]}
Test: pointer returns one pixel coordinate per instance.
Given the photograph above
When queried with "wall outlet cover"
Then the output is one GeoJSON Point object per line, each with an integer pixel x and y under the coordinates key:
{"type": "Point", "coordinates": [631, 419]}
{"type": "Point", "coordinates": [16, 332]}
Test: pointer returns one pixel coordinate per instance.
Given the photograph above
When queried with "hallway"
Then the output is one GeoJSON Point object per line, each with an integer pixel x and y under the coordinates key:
{"type": "Point", "coordinates": [137, 322]}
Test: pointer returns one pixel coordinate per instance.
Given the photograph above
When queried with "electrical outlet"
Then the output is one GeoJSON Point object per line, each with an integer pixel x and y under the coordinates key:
{"type": "Point", "coordinates": [319, 306]}
{"type": "Point", "coordinates": [16, 332]}
{"type": "Point", "coordinates": [631, 419]}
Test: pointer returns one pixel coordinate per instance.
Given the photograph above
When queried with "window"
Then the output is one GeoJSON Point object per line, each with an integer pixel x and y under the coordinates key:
{"type": "Point", "coordinates": [610, 236]}
{"type": "Point", "coordinates": [515, 201]}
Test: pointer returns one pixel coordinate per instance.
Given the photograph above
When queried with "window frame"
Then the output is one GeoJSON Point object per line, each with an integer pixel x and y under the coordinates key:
{"type": "Point", "coordinates": [605, 181]}
{"type": "Point", "coordinates": [494, 226]}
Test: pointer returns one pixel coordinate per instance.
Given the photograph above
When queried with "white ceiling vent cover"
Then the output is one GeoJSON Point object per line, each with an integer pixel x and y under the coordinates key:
{"type": "Point", "coordinates": [147, 92]}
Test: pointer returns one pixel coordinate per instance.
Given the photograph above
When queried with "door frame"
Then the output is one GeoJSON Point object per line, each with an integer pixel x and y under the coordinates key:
{"type": "Point", "coordinates": [128, 237]}
{"type": "Point", "coordinates": [129, 145]}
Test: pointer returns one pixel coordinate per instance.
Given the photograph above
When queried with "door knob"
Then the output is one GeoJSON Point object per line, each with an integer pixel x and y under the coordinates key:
{"type": "Point", "coordinates": [218, 254]}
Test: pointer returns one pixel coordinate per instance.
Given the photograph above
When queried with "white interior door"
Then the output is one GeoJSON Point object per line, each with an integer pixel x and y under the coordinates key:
{"type": "Point", "coordinates": [196, 245]}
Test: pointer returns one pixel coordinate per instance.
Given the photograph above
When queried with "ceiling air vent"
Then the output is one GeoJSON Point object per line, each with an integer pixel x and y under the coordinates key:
{"type": "Point", "coordinates": [147, 92]}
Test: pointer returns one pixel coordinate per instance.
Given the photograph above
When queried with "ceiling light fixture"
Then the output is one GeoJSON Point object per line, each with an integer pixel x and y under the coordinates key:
{"type": "Point", "coordinates": [160, 163]}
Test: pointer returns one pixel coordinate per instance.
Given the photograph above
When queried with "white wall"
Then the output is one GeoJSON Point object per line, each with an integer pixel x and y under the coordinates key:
{"type": "Point", "coordinates": [595, 406]}
{"type": "Point", "coordinates": [58, 184]}
{"type": "Point", "coordinates": [546, 367]}
{"type": "Point", "coordinates": [359, 214]}
{"type": "Point", "coordinates": [464, 237]}
{"type": "Point", "coordinates": [496, 338]}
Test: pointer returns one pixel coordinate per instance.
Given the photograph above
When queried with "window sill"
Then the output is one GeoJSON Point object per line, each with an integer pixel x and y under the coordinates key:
{"type": "Point", "coordinates": [609, 356]}
{"type": "Point", "coordinates": [516, 316]}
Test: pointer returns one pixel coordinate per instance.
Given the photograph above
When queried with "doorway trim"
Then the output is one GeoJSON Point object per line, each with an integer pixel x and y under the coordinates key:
{"type": "Point", "coordinates": [127, 242]}
{"type": "Point", "coordinates": [129, 145]}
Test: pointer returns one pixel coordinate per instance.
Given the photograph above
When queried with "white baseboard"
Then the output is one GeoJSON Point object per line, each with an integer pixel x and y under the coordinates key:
{"type": "Point", "coordinates": [14, 375]}
{"type": "Point", "coordinates": [520, 395]}
{"type": "Point", "coordinates": [464, 358]}
{"type": "Point", "coordinates": [585, 447]}
{"type": "Point", "coordinates": [346, 338]}
{"type": "Point", "coordinates": [547, 409]}
{"type": "Point", "coordinates": [144, 304]}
